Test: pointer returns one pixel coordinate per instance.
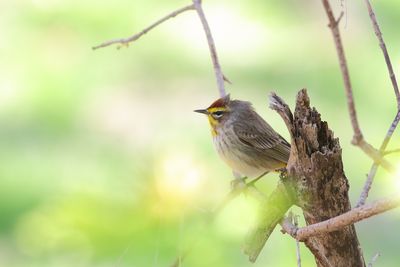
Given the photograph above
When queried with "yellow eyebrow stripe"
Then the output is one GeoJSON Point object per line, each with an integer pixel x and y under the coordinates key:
{"type": "Point", "coordinates": [212, 110]}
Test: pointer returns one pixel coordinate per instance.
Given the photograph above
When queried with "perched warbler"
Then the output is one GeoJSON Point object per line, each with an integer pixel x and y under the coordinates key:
{"type": "Point", "coordinates": [244, 140]}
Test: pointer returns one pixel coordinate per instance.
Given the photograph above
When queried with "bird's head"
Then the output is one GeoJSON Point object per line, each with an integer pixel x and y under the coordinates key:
{"type": "Point", "coordinates": [217, 112]}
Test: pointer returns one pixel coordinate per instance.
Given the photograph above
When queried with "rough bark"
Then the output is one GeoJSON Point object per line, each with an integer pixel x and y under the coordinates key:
{"type": "Point", "coordinates": [317, 184]}
{"type": "Point", "coordinates": [320, 183]}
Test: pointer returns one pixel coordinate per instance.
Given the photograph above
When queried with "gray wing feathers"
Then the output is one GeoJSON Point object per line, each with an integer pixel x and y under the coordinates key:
{"type": "Point", "coordinates": [258, 134]}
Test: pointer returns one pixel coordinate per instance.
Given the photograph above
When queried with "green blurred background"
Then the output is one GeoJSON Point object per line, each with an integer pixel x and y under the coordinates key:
{"type": "Point", "coordinates": [103, 162]}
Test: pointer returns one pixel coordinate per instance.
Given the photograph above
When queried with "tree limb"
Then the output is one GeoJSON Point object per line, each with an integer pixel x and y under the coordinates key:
{"type": "Point", "coordinates": [126, 41]}
{"type": "Point", "coordinates": [370, 178]}
{"type": "Point", "coordinates": [388, 152]}
{"type": "Point", "coordinates": [320, 185]}
{"type": "Point", "coordinates": [196, 5]}
{"type": "Point", "coordinates": [211, 45]}
{"type": "Point", "coordinates": [373, 260]}
{"type": "Point", "coordinates": [382, 44]}
{"type": "Point", "coordinates": [333, 25]}
{"type": "Point", "coordinates": [375, 165]}
{"type": "Point", "coordinates": [358, 138]}
{"type": "Point", "coordinates": [341, 221]}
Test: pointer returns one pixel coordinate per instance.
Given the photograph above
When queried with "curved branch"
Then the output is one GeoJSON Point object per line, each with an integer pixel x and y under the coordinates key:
{"type": "Point", "coordinates": [126, 41]}
{"type": "Point", "coordinates": [211, 46]}
{"type": "Point", "coordinates": [333, 25]}
{"type": "Point", "coordinates": [382, 44]}
{"type": "Point", "coordinates": [375, 165]}
{"type": "Point", "coordinates": [358, 138]}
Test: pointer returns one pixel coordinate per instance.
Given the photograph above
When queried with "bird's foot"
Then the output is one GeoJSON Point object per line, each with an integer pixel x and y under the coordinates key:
{"type": "Point", "coordinates": [238, 184]}
{"type": "Point", "coordinates": [282, 173]}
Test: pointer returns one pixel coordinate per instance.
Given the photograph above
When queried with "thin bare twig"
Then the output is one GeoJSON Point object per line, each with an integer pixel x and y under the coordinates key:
{"type": "Point", "coordinates": [373, 260]}
{"type": "Point", "coordinates": [375, 165]}
{"type": "Point", "coordinates": [196, 5]}
{"type": "Point", "coordinates": [382, 44]}
{"type": "Point", "coordinates": [390, 132]}
{"type": "Point", "coordinates": [333, 25]}
{"type": "Point", "coordinates": [291, 229]}
{"type": "Point", "coordinates": [226, 79]}
{"type": "Point", "coordinates": [126, 41]}
{"type": "Point", "coordinates": [358, 138]}
{"type": "Point", "coordinates": [370, 178]}
{"type": "Point", "coordinates": [388, 152]}
{"type": "Point", "coordinates": [367, 185]}
{"type": "Point", "coordinates": [296, 223]}
{"type": "Point", "coordinates": [290, 225]}
{"type": "Point", "coordinates": [217, 67]}
{"type": "Point", "coordinates": [376, 155]}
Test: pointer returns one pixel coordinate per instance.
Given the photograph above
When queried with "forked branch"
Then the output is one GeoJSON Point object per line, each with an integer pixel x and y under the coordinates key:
{"type": "Point", "coordinates": [396, 120]}
{"type": "Point", "coordinates": [196, 5]}
{"type": "Point", "coordinates": [128, 40]}
{"type": "Point", "coordinates": [211, 45]}
{"type": "Point", "coordinates": [358, 139]}
{"type": "Point", "coordinates": [333, 25]}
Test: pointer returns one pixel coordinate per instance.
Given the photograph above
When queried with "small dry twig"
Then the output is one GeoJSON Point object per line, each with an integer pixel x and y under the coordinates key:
{"type": "Point", "coordinates": [382, 44]}
{"type": "Point", "coordinates": [126, 41]}
{"type": "Point", "coordinates": [375, 165]}
{"type": "Point", "coordinates": [358, 138]}
{"type": "Point", "coordinates": [196, 5]}
{"type": "Point", "coordinates": [333, 25]}
{"type": "Point", "coordinates": [370, 178]}
{"type": "Point", "coordinates": [211, 45]}
{"type": "Point", "coordinates": [290, 228]}
{"type": "Point", "coordinates": [296, 223]}
{"type": "Point", "coordinates": [373, 260]}
{"type": "Point", "coordinates": [388, 152]}
{"type": "Point", "coordinates": [290, 225]}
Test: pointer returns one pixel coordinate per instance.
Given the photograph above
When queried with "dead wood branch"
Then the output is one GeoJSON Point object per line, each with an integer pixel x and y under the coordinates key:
{"type": "Point", "coordinates": [382, 44]}
{"type": "Point", "coordinates": [340, 221]}
{"type": "Point", "coordinates": [375, 165]}
{"type": "Point", "coordinates": [373, 260]}
{"type": "Point", "coordinates": [196, 5]}
{"type": "Point", "coordinates": [358, 138]}
{"type": "Point", "coordinates": [317, 184]}
{"type": "Point", "coordinates": [211, 45]}
{"type": "Point", "coordinates": [370, 178]}
{"type": "Point", "coordinates": [127, 41]}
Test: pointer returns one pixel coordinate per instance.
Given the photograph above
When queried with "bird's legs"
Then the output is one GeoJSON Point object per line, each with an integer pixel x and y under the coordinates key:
{"type": "Point", "coordinates": [239, 182]}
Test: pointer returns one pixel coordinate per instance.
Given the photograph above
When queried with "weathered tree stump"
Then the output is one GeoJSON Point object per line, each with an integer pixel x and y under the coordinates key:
{"type": "Point", "coordinates": [316, 183]}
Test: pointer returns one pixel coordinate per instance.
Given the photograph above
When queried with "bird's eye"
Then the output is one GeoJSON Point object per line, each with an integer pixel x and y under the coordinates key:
{"type": "Point", "coordinates": [217, 114]}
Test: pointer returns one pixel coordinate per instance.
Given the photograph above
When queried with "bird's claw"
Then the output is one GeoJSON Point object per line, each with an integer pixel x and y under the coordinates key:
{"type": "Point", "coordinates": [238, 184]}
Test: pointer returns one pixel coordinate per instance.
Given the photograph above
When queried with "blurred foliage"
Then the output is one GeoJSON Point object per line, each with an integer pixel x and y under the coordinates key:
{"type": "Point", "coordinates": [103, 162]}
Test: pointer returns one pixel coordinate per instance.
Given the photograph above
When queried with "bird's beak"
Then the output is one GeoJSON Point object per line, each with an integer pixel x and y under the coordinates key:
{"type": "Point", "coordinates": [203, 111]}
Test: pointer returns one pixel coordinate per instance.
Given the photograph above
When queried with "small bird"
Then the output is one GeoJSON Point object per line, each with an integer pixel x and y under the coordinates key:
{"type": "Point", "coordinates": [244, 140]}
